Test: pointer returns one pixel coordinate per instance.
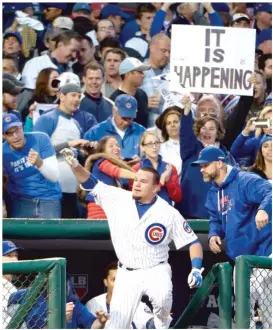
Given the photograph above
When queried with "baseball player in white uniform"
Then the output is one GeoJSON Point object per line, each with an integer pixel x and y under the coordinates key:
{"type": "Point", "coordinates": [142, 225]}
{"type": "Point", "coordinates": [143, 318]}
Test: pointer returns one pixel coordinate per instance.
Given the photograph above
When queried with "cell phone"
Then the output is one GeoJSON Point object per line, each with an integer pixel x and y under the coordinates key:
{"type": "Point", "coordinates": [263, 123]}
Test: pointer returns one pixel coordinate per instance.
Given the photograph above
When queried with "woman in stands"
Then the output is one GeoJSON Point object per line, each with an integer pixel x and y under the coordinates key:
{"type": "Point", "coordinates": [194, 136]}
{"type": "Point", "coordinates": [44, 92]}
{"type": "Point", "coordinates": [169, 123]}
{"type": "Point", "coordinates": [107, 166]}
{"type": "Point", "coordinates": [245, 148]}
{"type": "Point", "coordinates": [170, 189]}
{"type": "Point", "coordinates": [263, 162]}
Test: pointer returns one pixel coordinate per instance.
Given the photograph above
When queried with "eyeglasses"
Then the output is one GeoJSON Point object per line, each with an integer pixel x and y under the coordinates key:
{"type": "Point", "coordinates": [104, 29]}
{"type": "Point", "coordinates": [212, 115]}
{"type": "Point", "coordinates": [151, 144]}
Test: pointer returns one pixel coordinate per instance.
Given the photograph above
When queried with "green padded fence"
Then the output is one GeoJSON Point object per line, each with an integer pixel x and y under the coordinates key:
{"type": "Point", "coordinates": [221, 273]}
{"type": "Point", "coordinates": [253, 280]}
{"type": "Point", "coordinates": [50, 283]}
{"type": "Point", "coordinates": [77, 229]}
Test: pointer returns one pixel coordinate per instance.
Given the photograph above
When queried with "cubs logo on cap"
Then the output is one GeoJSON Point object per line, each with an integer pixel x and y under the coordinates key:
{"type": "Point", "coordinates": [155, 233]}
{"type": "Point", "coordinates": [128, 105]}
{"type": "Point", "coordinates": [187, 227]}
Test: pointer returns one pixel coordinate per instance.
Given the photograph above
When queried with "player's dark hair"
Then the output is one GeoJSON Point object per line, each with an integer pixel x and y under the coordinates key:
{"type": "Point", "coordinates": [262, 59]}
{"type": "Point", "coordinates": [154, 172]}
{"type": "Point", "coordinates": [112, 266]}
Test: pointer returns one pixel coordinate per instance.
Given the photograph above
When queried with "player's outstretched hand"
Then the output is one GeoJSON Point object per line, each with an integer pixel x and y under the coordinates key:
{"type": "Point", "coordinates": [69, 157]}
{"type": "Point", "coordinates": [195, 278]}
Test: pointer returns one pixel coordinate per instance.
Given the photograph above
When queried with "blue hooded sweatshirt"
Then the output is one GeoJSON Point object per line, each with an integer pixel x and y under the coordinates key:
{"type": "Point", "coordinates": [233, 207]}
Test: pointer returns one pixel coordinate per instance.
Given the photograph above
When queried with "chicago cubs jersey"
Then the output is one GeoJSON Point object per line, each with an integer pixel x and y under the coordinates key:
{"type": "Point", "coordinates": [142, 315]}
{"type": "Point", "coordinates": [141, 242]}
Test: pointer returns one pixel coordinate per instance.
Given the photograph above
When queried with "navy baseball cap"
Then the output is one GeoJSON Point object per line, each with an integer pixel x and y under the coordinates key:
{"type": "Point", "coordinates": [220, 7]}
{"type": "Point", "coordinates": [81, 6]}
{"type": "Point", "coordinates": [260, 6]}
{"type": "Point", "coordinates": [114, 10]}
{"type": "Point", "coordinates": [17, 35]}
{"type": "Point", "coordinates": [9, 121]}
{"type": "Point", "coordinates": [8, 247]}
{"type": "Point", "coordinates": [127, 106]}
{"type": "Point", "coordinates": [208, 155]}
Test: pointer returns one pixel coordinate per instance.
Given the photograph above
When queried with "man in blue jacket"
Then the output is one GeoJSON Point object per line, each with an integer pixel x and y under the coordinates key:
{"type": "Point", "coordinates": [122, 126]}
{"type": "Point", "coordinates": [240, 208]}
{"type": "Point", "coordinates": [239, 204]}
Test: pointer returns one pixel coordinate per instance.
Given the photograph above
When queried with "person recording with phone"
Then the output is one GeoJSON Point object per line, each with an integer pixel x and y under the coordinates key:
{"type": "Point", "coordinates": [245, 148]}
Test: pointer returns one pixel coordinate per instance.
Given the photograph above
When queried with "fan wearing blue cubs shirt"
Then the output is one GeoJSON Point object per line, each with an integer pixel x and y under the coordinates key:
{"type": "Point", "coordinates": [31, 166]}
{"type": "Point", "coordinates": [141, 244]}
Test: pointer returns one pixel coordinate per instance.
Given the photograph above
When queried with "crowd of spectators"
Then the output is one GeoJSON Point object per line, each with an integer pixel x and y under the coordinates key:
{"type": "Point", "coordinates": [80, 76]}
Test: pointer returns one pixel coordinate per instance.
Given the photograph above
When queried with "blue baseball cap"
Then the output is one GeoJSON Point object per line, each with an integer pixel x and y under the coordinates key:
{"type": "Point", "coordinates": [81, 6]}
{"type": "Point", "coordinates": [10, 120]}
{"type": "Point", "coordinates": [114, 10]}
{"type": "Point", "coordinates": [127, 106]}
{"type": "Point", "coordinates": [260, 6]}
{"type": "Point", "coordinates": [208, 155]}
{"type": "Point", "coordinates": [17, 35]}
{"type": "Point", "coordinates": [132, 64]}
{"type": "Point", "coordinates": [221, 7]}
{"type": "Point", "coordinates": [8, 247]}
{"type": "Point", "coordinates": [265, 138]}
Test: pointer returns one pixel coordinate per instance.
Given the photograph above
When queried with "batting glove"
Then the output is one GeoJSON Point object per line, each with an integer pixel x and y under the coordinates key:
{"type": "Point", "coordinates": [69, 157]}
{"type": "Point", "coordinates": [195, 278]}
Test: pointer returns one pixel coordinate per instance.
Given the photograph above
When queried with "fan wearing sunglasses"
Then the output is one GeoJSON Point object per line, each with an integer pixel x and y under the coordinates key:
{"type": "Point", "coordinates": [207, 130]}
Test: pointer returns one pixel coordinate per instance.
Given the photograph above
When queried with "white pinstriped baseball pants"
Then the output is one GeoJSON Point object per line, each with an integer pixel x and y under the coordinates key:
{"type": "Point", "coordinates": [130, 286]}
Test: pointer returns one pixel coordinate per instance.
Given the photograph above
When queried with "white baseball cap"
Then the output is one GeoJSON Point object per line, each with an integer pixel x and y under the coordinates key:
{"type": "Point", "coordinates": [238, 16]}
{"type": "Point", "coordinates": [63, 22]}
{"type": "Point", "coordinates": [68, 78]}
{"type": "Point", "coordinates": [132, 64]}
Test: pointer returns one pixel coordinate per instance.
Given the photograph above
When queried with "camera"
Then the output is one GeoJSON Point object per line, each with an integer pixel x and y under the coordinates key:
{"type": "Point", "coordinates": [55, 83]}
{"type": "Point", "coordinates": [263, 123]}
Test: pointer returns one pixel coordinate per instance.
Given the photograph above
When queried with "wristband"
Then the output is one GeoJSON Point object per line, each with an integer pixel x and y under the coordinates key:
{"type": "Point", "coordinates": [197, 263]}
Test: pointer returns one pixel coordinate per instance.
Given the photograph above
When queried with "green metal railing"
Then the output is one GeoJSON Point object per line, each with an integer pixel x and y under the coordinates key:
{"type": "Point", "coordinates": [222, 273]}
{"type": "Point", "coordinates": [244, 266]}
{"type": "Point", "coordinates": [52, 272]}
{"type": "Point", "coordinates": [77, 229]}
